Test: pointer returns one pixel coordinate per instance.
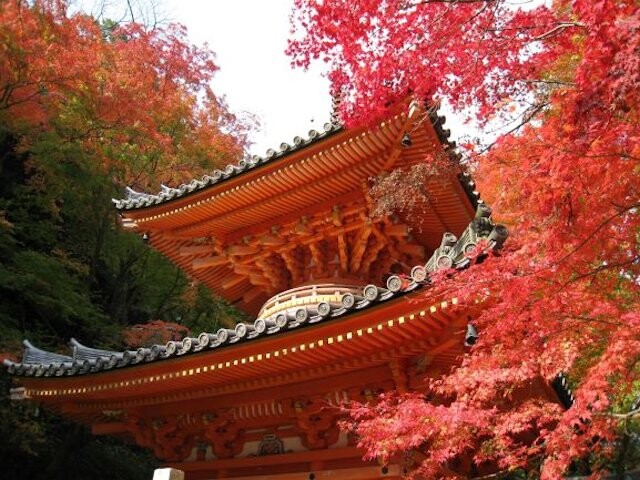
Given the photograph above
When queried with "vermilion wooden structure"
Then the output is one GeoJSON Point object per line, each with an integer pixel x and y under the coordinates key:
{"type": "Point", "coordinates": [342, 307]}
{"type": "Point", "coordinates": [302, 215]}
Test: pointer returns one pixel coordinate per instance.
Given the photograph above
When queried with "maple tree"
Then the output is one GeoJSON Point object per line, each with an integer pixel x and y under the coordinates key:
{"type": "Point", "coordinates": [136, 99]}
{"type": "Point", "coordinates": [154, 332]}
{"type": "Point", "coordinates": [562, 297]}
{"type": "Point", "coordinates": [88, 106]}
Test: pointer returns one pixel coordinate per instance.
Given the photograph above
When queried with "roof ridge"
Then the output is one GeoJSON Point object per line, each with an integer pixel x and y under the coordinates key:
{"type": "Point", "coordinates": [134, 199]}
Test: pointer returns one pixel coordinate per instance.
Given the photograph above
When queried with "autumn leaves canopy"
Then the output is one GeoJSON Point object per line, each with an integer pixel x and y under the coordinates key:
{"type": "Point", "coordinates": [138, 99]}
{"type": "Point", "coordinates": [564, 79]}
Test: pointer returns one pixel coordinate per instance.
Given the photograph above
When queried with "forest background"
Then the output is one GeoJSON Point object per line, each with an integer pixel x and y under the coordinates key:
{"type": "Point", "coordinates": [88, 107]}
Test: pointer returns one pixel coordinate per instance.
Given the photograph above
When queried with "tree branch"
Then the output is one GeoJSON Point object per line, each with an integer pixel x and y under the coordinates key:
{"type": "Point", "coordinates": [133, 18]}
{"type": "Point", "coordinates": [557, 29]}
{"type": "Point", "coordinates": [597, 229]}
{"type": "Point", "coordinates": [527, 116]}
{"type": "Point", "coordinates": [425, 2]}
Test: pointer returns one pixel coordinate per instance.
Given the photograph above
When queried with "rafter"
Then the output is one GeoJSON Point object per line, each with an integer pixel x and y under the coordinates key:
{"type": "Point", "coordinates": [195, 250]}
{"type": "Point", "coordinates": [359, 246]}
{"type": "Point", "coordinates": [242, 250]}
{"type": "Point", "coordinates": [335, 176]}
{"type": "Point", "coordinates": [319, 258]}
{"type": "Point", "coordinates": [207, 262]}
{"type": "Point", "coordinates": [234, 282]}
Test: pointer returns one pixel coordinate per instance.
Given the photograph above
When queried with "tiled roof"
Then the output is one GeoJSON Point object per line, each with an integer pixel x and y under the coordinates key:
{"type": "Point", "coordinates": [560, 385]}
{"type": "Point", "coordinates": [135, 200]}
{"type": "Point", "coordinates": [452, 253]}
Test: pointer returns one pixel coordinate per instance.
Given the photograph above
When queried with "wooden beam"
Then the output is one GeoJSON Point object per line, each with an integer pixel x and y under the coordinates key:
{"type": "Point", "coordinates": [285, 220]}
{"type": "Point", "coordinates": [336, 216]}
{"type": "Point", "coordinates": [302, 227]}
{"type": "Point", "coordinates": [269, 272]}
{"type": "Point", "coordinates": [271, 460]}
{"type": "Point", "coordinates": [296, 269]}
{"type": "Point", "coordinates": [110, 428]}
{"type": "Point", "coordinates": [371, 253]}
{"type": "Point", "coordinates": [234, 281]}
{"type": "Point", "coordinates": [343, 253]}
{"type": "Point", "coordinates": [243, 269]}
{"type": "Point", "coordinates": [259, 280]}
{"type": "Point", "coordinates": [394, 153]}
{"type": "Point", "coordinates": [360, 473]}
{"type": "Point", "coordinates": [242, 250]}
{"type": "Point", "coordinates": [271, 240]}
{"type": "Point", "coordinates": [397, 148]}
{"type": "Point", "coordinates": [218, 260]}
{"type": "Point", "coordinates": [195, 250]}
{"type": "Point", "coordinates": [317, 254]}
{"type": "Point", "coordinates": [359, 247]}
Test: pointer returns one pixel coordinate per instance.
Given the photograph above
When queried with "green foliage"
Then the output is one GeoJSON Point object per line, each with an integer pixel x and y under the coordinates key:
{"type": "Point", "coordinates": [42, 297]}
{"type": "Point", "coordinates": [68, 270]}
{"type": "Point", "coordinates": [84, 109]}
{"type": "Point", "coordinates": [39, 445]}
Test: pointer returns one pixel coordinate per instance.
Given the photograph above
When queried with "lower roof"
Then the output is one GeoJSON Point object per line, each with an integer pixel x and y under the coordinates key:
{"type": "Point", "coordinates": [83, 360]}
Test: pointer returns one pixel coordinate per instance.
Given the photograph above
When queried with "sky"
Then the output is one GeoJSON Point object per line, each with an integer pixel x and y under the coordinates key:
{"type": "Point", "coordinates": [249, 38]}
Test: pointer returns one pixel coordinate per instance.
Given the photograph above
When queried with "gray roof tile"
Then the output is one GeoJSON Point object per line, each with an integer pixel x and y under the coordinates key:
{"type": "Point", "coordinates": [134, 200]}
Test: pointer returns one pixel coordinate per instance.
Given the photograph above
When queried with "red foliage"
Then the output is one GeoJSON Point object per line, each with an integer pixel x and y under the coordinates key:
{"type": "Point", "coordinates": [564, 294]}
{"type": "Point", "coordinates": [154, 332]}
{"type": "Point", "coordinates": [137, 100]}
{"type": "Point", "coordinates": [8, 356]}
{"type": "Point", "coordinates": [473, 52]}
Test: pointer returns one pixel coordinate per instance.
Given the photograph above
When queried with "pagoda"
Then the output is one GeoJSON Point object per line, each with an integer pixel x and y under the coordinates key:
{"type": "Point", "coordinates": [340, 299]}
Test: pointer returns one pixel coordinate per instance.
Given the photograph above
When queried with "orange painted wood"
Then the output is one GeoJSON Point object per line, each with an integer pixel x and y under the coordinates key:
{"type": "Point", "coordinates": [299, 200]}
{"type": "Point", "coordinates": [369, 318]}
{"type": "Point", "coordinates": [108, 428]}
{"type": "Point", "coordinates": [195, 250]}
{"type": "Point", "coordinates": [216, 261]}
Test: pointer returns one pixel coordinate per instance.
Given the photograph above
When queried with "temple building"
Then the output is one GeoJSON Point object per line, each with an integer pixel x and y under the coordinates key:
{"type": "Point", "coordinates": [340, 298]}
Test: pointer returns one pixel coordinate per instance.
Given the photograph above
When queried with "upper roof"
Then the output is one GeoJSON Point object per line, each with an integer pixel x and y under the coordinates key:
{"type": "Point", "coordinates": [303, 213]}
{"type": "Point", "coordinates": [136, 200]}
{"type": "Point", "coordinates": [139, 200]}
